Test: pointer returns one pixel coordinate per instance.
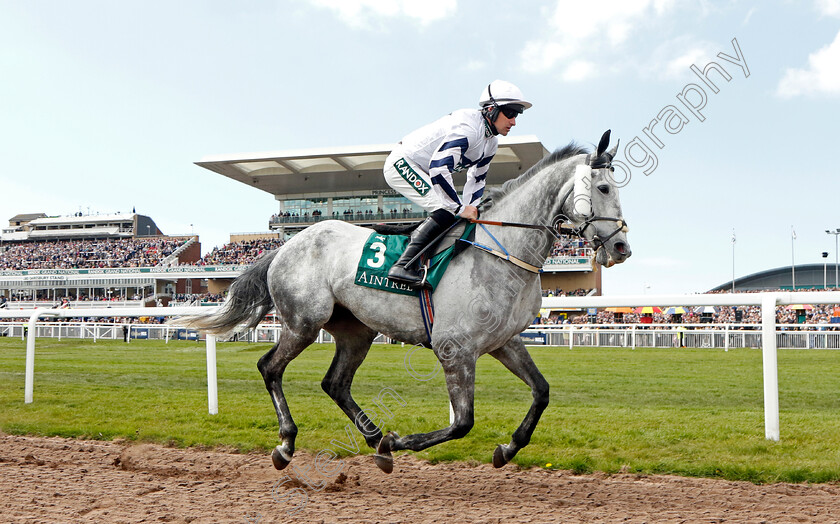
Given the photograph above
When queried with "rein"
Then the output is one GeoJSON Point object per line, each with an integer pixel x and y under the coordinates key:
{"type": "Point", "coordinates": [503, 254]}
{"type": "Point", "coordinates": [597, 241]}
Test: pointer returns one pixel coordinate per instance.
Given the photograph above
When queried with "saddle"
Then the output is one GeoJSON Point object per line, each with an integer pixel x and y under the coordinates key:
{"type": "Point", "coordinates": [385, 245]}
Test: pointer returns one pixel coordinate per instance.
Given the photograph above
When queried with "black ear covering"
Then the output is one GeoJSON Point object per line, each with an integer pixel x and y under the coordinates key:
{"type": "Point", "coordinates": [602, 145]}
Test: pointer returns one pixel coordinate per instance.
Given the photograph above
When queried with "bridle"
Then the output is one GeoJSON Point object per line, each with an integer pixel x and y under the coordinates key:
{"type": "Point", "coordinates": [603, 161]}
{"type": "Point", "coordinates": [597, 241]}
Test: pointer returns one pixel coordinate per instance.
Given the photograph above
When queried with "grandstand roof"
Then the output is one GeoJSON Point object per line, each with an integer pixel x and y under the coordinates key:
{"type": "Point", "coordinates": [306, 173]}
{"type": "Point", "coordinates": [808, 276]}
{"type": "Point", "coordinates": [94, 232]}
{"type": "Point", "coordinates": [25, 217]}
{"type": "Point", "coordinates": [83, 219]}
{"type": "Point", "coordinates": [113, 225]}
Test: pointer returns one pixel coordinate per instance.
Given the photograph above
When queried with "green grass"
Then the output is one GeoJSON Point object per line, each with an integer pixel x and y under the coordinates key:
{"type": "Point", "coordinates": [686, 412]}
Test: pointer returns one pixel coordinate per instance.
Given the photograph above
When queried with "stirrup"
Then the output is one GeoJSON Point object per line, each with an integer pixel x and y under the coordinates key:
{"type": "Point", "coordinates": [423, 283]}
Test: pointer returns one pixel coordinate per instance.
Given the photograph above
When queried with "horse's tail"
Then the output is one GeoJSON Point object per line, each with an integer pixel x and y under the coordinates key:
{"type": "Point", "coordinates": [247, 303]}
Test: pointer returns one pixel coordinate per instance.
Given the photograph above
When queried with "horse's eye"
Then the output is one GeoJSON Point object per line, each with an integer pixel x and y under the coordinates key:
{"type": "Point", "coordinates": [604, 188]}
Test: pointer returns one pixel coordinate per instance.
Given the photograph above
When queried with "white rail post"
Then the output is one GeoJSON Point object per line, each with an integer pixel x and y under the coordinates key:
{"type": "Point", "coordinates": [726, 337]}
{"type": "Point", "coordinates": [770, 365]}
{"type": "Point", "coordinates": [571, 336]}
{"type": "Point", "coordinates": [29, 379]}
{"type": "Point", "coordinates": [212, 384]}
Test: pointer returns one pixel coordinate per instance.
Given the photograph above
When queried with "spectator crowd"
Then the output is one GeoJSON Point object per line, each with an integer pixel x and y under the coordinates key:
{"type": "Point", "coordinates": [794, 314]}
{"type": "Point", "coordinates": [567, 246]}
{"type": "Point", "coordinates": [76, 254]}
{"type": "Point", "coordinates": [150, 252]}
{"type": "Point", "coordinates": [240, 253]}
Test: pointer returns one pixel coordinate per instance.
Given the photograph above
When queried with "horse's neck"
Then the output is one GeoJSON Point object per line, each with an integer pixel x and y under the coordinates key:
{"type": "Point", "coordinates": [535, 202]}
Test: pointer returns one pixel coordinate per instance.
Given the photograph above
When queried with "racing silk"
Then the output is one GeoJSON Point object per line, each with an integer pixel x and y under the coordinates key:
{"type": "Point", "coordinates": [458, 141]}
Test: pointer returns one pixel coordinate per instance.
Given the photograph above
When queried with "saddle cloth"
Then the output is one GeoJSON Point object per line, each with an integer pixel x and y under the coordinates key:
{"type": "Point", "coordinates": [381, 251]}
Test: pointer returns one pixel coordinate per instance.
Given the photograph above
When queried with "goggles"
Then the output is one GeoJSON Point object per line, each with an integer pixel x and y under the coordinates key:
{"type": "Point", "coordinates": [512, 110]}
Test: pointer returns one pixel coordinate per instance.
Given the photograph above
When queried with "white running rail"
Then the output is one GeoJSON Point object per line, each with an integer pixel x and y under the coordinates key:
{"type": "Point", "coordinates": [768, 302]}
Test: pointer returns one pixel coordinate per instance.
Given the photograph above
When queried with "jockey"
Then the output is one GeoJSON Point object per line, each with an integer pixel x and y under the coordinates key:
{"type": "Point", "coordinates": [421, 166]}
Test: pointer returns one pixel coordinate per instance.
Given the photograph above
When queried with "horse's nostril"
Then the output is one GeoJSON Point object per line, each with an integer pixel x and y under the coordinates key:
{"type": "Point", "coordinates": [621, 247]}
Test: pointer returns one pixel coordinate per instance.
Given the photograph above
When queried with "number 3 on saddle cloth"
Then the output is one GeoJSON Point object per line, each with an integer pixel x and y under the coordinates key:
{"type": "Point", "coordinates": [382, 250]}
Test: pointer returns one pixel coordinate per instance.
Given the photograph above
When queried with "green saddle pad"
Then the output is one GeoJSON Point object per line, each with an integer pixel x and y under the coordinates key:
{"type": "Point", "coordinates": [382, 251]}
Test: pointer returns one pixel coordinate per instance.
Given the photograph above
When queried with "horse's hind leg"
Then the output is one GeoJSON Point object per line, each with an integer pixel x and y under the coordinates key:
{"type": "Point", "coordinates": [352, 342]}
{"type": "Point", "coordinates": [272, 365]}
{"type": "Point", "coordinates": [459, 370]}
{"type": "Point", "coordinates": [515, 357]}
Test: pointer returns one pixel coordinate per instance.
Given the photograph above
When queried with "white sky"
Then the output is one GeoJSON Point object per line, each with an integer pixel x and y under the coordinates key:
{"type": "Point", "coordinates": [104, 107]}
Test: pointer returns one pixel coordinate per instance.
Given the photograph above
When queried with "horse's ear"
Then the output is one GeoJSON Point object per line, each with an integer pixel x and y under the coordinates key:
{"type": "Point", "coordinates": [611, 153]}
{"type": "Point", "coordinates": [602, 145]}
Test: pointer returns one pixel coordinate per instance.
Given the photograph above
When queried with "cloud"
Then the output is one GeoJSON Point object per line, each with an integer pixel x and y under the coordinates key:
{"type": "Point", "coordinates": [680, 65]}
{"type": "Point", "coordinates": [578, 71]}
{"type": "Point", "coordinates": [359, 13]}
{"type": "Point", "coordinates": [822, 76]}
{"type": "Point", "coordinates": [475, 65]}
{"type": "Point", "coordinates": [576, 28]}
{"type": "Point", "coordinates": [672, 58]}
{"type": "Point", "coordinates": [539, 56]}
{"type": "Point", "coordinates": [828, 7]}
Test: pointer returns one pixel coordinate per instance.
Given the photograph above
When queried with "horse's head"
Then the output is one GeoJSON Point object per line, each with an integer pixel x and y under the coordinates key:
{"type": "Point", "coordinates": [596, 210]}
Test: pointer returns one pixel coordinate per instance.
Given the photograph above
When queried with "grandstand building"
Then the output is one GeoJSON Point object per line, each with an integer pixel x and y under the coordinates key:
{"type": "Point", "coordinates": [121, 256]}
{"type": "Point", "coordinates": [808, 277]}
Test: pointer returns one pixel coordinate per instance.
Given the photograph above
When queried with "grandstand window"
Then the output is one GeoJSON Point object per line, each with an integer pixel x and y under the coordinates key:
{"type": "Point", "coordinates": [355, 205]}
{"type": "Point", "coordinates": [399, 203]}
{"type": "Point", "coordinates": [306, 206]}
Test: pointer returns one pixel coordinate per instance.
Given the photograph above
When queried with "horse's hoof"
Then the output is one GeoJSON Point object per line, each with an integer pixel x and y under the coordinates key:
{"type": "Point", "coordinates": [385, 463]}
{"type": "Point", "coordinates": [383, 458]}
{"type": "Point", "coordinates": [499, 459]}
{"type": "Point", "coordinates": [279, 459]}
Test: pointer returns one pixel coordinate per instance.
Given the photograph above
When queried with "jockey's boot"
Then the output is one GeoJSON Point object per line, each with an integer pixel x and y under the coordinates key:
{"type": "Point", "coordinates": [438, 221]}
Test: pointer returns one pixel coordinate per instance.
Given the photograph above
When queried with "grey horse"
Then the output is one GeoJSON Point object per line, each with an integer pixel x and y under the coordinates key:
{"type": "Point", "coordinates": [482, 303]}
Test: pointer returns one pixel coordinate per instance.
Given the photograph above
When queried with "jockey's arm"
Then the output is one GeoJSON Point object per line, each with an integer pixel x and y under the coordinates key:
{"type": "Point", "coordinates": [474, 188]}
{"type": "Point", "coordinates": [441, 168]}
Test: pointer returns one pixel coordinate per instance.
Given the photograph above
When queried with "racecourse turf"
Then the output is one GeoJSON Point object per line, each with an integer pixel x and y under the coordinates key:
{"type": "Point", "coordinates": [693, 412]}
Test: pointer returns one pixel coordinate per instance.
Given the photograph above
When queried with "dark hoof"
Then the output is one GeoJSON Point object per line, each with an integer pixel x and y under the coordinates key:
{"type": "Point", "coordinates": [383, 458]}
{"type": "Point", "coordinates": [499, 459]}
{"type": "Point", "coordinates": [278, 459]}
{"type": "Point", "coordinates": [385, 463]}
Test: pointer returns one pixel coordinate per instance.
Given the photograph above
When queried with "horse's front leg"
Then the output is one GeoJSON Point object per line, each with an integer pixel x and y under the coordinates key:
{"type": "Point", "coordinates": [459, 370]}
{"type": "Point", "coordinates": [515, 357]}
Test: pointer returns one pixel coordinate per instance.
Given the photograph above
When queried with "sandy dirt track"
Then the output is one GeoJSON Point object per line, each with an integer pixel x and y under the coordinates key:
{"type": "Point", "coordinates": [63, 480]}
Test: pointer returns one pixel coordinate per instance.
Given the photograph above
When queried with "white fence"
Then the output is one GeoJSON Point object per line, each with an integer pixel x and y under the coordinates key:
{"type": "Point", "coordinates": [723, 336]}
{"type": "Point", "coordinates": [31, 330]}
{"type": "Point", "coordinates": [769, 339]}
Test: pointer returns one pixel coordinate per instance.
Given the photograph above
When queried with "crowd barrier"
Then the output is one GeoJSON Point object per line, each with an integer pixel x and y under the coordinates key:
{"type": "Point", "coordinates": [710, 336]}
{"type": "Point", "coordinates": [721, 336]}
{"type": "Point", "coordinates": [769, 340]}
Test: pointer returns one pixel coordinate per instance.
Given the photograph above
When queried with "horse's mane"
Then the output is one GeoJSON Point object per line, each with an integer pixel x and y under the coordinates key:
{"type": "Point", "coordinates": [497, 193]}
